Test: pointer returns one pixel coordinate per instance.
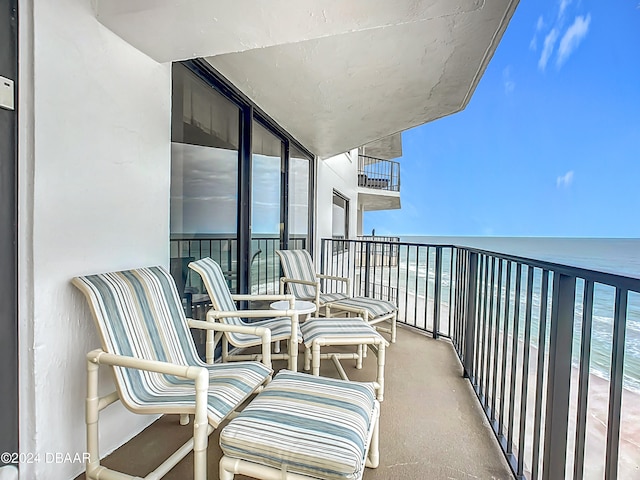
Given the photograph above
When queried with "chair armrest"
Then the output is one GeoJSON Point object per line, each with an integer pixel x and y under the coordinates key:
{"type": "Point", "coordinates": [293, 280]}
{"type": "Point", "coordinates": [199, 375]}
{"type": "Point", "coordinates": [216, 314]}
{"type": "Point", "coordinates": [262, 332]}
{"type": "Point", "coordinates": [192, 372]}
{"type": "Point", "coordinates": [275, 297]}
{"type": "Point", "coordinates": [339, 279]}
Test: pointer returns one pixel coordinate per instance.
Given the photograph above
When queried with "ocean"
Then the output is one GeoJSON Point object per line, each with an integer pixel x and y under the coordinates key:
{"type": "Point", "coordinates": [616, 256]}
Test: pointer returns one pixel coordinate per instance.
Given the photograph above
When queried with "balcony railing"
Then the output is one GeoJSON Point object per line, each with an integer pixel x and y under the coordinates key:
{"type": "Point", "coordinates": [378, 173]}
{"type": "Point", "coordinates": [265, 265]}
{"type": "Point", "coordinates": [552, 351]}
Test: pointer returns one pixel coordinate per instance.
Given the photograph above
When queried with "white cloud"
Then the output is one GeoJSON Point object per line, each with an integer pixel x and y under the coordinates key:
{"type": "Point", "coordinates": [565, 181]}
{"type": "Point", "coordinates": [572, 38]}
{"type": "Point", "coordinates": [533, 44]}
{"type": "Point", "coordinates": [509, 83]}
{"type": "Point", "coordinates": [563, 6]}
{"type": "Point", "coordinates": [547, 50]}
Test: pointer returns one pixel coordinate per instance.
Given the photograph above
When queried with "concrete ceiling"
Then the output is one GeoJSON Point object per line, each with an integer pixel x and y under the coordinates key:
{"type": "Point", "coordinates": [335, 74]}
{"type": "Point", "coordinates": [387, 148]}
{"type": "Point", "coordinates": [371, 200]}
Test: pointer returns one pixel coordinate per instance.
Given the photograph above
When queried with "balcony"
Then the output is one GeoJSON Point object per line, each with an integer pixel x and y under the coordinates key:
{"type": "Point", "coordinates": [422, 375]}
{"type": "Point", "coordinates": [502, 368]}
{"type": "Point", "coordinates": [378, 183]}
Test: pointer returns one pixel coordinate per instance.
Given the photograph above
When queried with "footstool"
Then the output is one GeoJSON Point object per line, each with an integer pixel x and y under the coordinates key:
{"type": "Point", "coordinates": [371, 309]}
{"type": "Point", "coordinates": [323, 332]}
{"type": "Point", "coordinates": [303, 427]}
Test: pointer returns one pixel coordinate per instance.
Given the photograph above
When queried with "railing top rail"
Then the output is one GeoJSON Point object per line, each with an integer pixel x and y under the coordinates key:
{"type": "Point", "coordinates": [625, 281]}
{"type": "Point", "coordinates": [376, 159]}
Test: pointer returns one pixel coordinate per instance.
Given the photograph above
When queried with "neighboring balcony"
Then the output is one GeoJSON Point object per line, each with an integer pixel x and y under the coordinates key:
{"type": "Point", "coordinates": [378, 183]}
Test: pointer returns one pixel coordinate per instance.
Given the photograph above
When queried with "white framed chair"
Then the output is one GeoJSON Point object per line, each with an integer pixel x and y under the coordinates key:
{"type": "Point", "coordinates": [147, 343]}
{"type": "Point", "coordinates": [284, 325]}
{"type": "Point", "coordinates": [303, 282]}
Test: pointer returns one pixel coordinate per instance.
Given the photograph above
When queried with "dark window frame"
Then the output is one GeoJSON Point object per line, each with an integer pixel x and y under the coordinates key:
{"type": "Point", "coordinates": [249, 112]}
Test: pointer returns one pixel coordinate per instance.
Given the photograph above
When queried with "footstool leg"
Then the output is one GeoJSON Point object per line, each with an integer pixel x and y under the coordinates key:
{"type": "Point", "coordinates": [228, 474]}
{"type": "Point", "coordinates": [307, 358]}
{"type": "Point", "coordinates": [373, 458]}
{"type": "Point", "coordinates": [315, 361]}
{"type": "Point", "coordinates": [381, 360]}
{"type": "Point", "coordinates": [361, 349]}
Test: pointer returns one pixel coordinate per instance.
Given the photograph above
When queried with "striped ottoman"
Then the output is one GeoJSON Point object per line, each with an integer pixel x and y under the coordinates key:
{"type": "Point", "coordinates": [323, 332]}
{"type": "Point", "coordinates": [373, 310]}
{"type": "Point", "coordinates": [301, 426]}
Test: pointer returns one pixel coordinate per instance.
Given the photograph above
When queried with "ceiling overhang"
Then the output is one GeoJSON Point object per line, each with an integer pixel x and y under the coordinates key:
{"type": "Point", "coordinates": [334, 74]}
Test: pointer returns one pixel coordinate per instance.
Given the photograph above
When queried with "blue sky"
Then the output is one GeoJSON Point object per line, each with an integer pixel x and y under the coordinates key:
{"type": "Point", "coordinates": [549, 144]}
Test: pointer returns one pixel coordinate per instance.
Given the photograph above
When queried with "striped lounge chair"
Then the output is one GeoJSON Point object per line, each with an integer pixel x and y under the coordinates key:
{"type": "Point", "coordinates": [303, 427]}
{"type": "Point", "coordinates": [284, 327]}
{"type": "Point", "coordinates": [146, 340]}
{"type": "Point", "coordinates": [304, 283]}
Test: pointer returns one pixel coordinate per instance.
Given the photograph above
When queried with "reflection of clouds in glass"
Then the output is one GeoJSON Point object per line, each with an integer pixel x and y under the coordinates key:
{"type": "Point", "coordinates": [298, 196]}
{"type": "Point", "coordinates": [203, 189]}
{"type": "Point", "coordinates": [265, 194]}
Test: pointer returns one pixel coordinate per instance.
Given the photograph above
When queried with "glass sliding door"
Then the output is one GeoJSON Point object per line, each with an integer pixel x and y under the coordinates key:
{"type": "Point", "coordinates": [241, 187]}
{"type": "Point", "coordinates": [266, 209]}
{"type": "Point", "coordinates": [205, 129]}
{"type": "Point", "coordinates": [299, 200]}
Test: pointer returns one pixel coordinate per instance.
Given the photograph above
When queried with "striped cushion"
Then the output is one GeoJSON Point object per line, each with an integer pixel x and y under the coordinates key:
{"type": "Point", "coordinates": [139, 314]}
{"type": "Point", "coordinates": [336, 328]}
{"type": "Point", "coordinates": [374, 307]}
{"type": "Point", "coordinates": [297, 265]}
{"type": "Point", "coordinates": [309, 425]}
{"type": "Point", "coordinates": [221, 300]}
{"type": "Point", "coordinates": [331, 297]}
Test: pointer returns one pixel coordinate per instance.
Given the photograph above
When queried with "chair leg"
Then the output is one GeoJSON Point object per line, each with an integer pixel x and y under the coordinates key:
{"type": "Point", "coordinates": [393, 327]}
{"type": "Point", "coordinates": [92, 416]}
{"type": "Point", "coordinates": [200, 429]}
{"type": "Point", "coordinates": [360, 350]}
{"type": "Point", "coordinates": [210, 347]}
{"type": "Point", "coordinates": [225, 349]}
{"type": "Point", "coordinates": [293, 355]}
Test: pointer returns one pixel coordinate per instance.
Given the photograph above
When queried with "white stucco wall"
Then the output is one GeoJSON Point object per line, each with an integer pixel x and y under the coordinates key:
{"type": "Point", "coordinates": [338, 173]}
{"type": "Point", "coordinates": [94, 196]}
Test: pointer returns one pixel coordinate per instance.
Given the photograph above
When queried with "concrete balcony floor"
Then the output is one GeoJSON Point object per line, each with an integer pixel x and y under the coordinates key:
{"type": "Point", "coordinates": [431, 426]}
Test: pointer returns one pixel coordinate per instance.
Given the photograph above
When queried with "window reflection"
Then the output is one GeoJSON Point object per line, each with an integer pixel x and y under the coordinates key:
{"type": "Point", "coordinates": [298, 200]}
{"type": "Point", "coordinates": [204, 176]}
{"type": "Point", "coordinates": [266, 210]}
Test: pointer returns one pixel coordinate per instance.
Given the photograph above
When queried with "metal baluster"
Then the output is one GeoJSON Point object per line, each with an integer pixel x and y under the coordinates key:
{"type": "Point", "coordinates": [615, 385]}
{"type": "Point", "coordinates": [525, 372]}
{"type": "Point", "coordinates": [542, 341]}
{"type": "Point", "coordinates": [583, 383]}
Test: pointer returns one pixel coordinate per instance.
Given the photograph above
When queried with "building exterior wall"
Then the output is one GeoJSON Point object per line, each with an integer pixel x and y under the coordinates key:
{"type": "Point", "coordinates": [339, 173]}
{"type": "Point", "coordinates": [94, 164]}
{"type": "Point", "coordinates": [8, 223]}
